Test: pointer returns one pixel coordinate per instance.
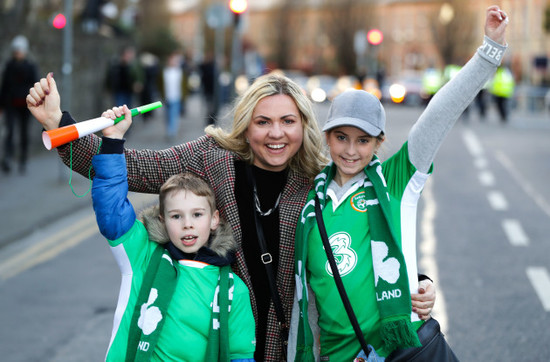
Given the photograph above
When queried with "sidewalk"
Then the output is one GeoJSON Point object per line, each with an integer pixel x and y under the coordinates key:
{"type": "Point", "coordinates": [43, 194]}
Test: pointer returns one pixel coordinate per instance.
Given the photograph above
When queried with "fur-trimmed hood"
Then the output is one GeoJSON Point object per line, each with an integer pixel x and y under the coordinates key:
{"type": "Point", "coordinates": [221, 240]}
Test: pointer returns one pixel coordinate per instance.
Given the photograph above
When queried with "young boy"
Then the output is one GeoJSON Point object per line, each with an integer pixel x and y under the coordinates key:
{"type": "Point", "coordinates": [178, 299]}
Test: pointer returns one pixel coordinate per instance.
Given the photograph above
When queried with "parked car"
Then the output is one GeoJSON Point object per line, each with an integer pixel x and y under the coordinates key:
{"type": "Point", "coordinates": [298, 76]}
{"type": "Point", "coordinates": [371, 85]}
{"type": "Point", "coordinates": [320, 87]}
{"type": "Point", "coordinates": [343, 83]}
{"type": "Point", "coordinates": [406, 89]}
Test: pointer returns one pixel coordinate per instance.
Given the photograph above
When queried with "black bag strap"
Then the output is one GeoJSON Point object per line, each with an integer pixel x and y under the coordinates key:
{"type": "Point", "coordinates": [267, 260]}
{"type": "Point", "coordinates": [338, 279]}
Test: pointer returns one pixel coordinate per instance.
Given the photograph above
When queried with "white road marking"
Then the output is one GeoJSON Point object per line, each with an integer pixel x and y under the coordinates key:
{"type": "Point", "coordinates": [473, 145]}
{"type": "Point", "coordinates": [480, 163]}
{"type": "Point", "coordinates": [427, 249]}
{"type": "Point", "coordinates": [486, 178]}
{"type": "Point", "coordinates": [514, 232]}
{"type": "Point", "coordinates": [524, 183]}
{"type": "Point", "coordinates": [497, 200]}
{"type": "Point", "coordinates": [538, 276]}
{"type": "Point", "coordinates": [541, 282]}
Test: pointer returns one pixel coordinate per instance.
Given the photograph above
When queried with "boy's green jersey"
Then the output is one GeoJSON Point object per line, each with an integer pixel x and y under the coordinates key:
{"type": "Point", "coordinates": [187, 325]}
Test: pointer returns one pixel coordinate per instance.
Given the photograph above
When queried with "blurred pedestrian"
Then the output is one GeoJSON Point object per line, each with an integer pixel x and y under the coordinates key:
{"type": "Point", "coordinates": [149, 92]}
{"type": "Point", "coordinates": [481, 102]}
{"type": "Point", "coordinates": [19, 74]}
{"type": "Point", "coordinates": [172, 81]}
{"type": "Point", "coordinates": [502, 89]}
{"type": "Point", "coordinates": [187, 68]}
{"type": "Point", "coordinates": [254, 64]}
{"type": "Point", "coordinates": [431, 82]}
{"type": "Point", "coordinates": [125, 77]}
{"type": "Point", "coordinates": [210, 86]}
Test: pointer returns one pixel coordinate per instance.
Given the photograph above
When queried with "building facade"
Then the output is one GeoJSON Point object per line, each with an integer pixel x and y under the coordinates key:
{"type": "Point", "coordinates": [317, 36]}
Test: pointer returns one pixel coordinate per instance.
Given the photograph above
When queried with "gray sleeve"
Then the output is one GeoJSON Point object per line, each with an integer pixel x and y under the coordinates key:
{"type": "Point", "coordinates": [313, 320]}
{"type": "Point", "coordinates": [433, 125]}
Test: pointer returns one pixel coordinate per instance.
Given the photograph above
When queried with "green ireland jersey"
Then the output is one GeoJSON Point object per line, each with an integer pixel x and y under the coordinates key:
{"type": "Point", "coordinates": [185, 332]}
{"type": "Point", "coordinates": [347, 226]}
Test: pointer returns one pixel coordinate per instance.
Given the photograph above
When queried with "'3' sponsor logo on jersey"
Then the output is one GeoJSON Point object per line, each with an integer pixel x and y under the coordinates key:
{"type": "Point", "coordinates": [344, 255]}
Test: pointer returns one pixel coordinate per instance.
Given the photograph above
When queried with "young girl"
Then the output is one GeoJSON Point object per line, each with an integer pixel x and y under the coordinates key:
{"type": "Point", "coordinates": [368, 208]}
{"type": "Point", "coordinates": [178, 300]}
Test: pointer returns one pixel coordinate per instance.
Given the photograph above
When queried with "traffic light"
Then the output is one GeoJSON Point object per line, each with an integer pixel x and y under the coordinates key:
{"type": "Point", "coordinates": [59, 21]}
{"type": "Point", "coordinates": [237, 7]}
{"type": "Point", "coordinates": [375, 37]}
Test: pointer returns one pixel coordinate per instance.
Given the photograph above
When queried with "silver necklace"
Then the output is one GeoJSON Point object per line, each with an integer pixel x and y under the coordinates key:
{"type": "Point", "coordinates": [257, 204]}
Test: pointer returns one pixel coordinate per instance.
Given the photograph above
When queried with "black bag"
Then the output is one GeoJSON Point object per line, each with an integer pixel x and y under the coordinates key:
{"type": "Point", "coordinates": [434, 346]}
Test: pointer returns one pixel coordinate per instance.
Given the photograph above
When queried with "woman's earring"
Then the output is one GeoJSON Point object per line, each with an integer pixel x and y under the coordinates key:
{"type": "Point", "coordinates": [247, 141]}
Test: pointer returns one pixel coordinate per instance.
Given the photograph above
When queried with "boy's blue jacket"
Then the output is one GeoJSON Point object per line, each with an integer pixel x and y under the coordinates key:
{"type": "Point", "coordinates": [115, 214]}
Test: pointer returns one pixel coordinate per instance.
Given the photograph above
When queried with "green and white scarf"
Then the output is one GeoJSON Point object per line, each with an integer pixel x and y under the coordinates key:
{"type": "Point", "coordinates": [153, 301]}
{"type": "Point", "coordinates": [157, 289]}
{"type": "Point", "coordinates": [396, 328]}
{"type": "Point", "coordinates": [218, 339]}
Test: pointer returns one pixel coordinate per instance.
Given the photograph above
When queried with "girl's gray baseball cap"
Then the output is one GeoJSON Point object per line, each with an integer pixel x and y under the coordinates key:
{"type": "Point", "coordinates": [357, 108]}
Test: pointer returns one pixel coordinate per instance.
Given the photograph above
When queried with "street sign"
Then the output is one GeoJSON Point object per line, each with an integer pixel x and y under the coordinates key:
{"type": "Point", "coordinates": [218, 16]}
{"type": "Point", "coordinates": [360, 42]}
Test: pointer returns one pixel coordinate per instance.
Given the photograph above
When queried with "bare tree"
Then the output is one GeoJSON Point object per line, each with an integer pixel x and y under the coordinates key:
{"type": "Point", "coordinates": [283, 37]}
{"type": "Point", "coordinates": [154, 32]}
{"type": "Point", "coordinates": [23, 17]}
{"type": "Point", "coordinates": [343, 18]}
{"type": "Point", "coordinates": [546, 23]}
{"type": "Point", "coordinates": [454, 30]}
{"type": "Point", "coordinates": [13, 16]}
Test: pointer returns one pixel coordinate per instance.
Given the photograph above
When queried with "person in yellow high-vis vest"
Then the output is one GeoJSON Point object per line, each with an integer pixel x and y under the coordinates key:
{"type": "Point", "coordinates": [502, 89]}
{"type": "Point", "coordinates": [432, 80]}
